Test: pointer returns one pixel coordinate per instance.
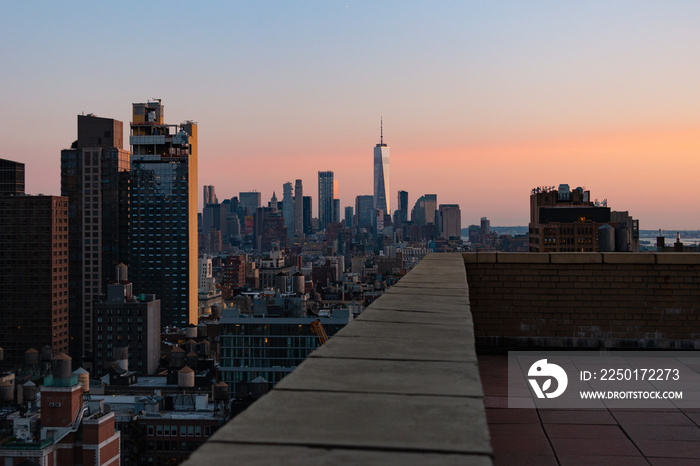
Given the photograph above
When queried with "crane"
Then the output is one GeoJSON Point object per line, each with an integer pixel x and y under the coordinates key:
{"type": "Point", "coordinates": [317, 328]}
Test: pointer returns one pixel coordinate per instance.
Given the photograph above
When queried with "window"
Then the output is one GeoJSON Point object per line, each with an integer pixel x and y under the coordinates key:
{"type": "Point", "coordinates": [150, 430]}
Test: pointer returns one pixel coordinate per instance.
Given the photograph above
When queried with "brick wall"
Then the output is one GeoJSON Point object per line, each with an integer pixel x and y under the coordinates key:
{"type": "Point", "coordinates": [623, 300]}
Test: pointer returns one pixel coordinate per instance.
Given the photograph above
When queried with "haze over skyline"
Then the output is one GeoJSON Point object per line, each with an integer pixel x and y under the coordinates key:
{"type": "Point", "coordinates": [481, 102]}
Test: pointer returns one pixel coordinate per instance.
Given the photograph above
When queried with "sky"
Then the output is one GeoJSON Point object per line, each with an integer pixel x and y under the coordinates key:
{"type": "Point", "coordinates": [480, 101]}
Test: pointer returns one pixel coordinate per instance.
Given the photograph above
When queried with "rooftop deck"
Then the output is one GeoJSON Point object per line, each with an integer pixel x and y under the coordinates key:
{"type": "Point", "coordinates": [402, 383]}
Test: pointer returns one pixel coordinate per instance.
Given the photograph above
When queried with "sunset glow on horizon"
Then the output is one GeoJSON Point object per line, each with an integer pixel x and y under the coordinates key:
{"type": "Point", "coordinates": [481, 102]}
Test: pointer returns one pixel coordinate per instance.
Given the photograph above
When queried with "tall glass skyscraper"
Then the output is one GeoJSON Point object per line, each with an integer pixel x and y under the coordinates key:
{"type": "Point", "coordinates": [164, 212]}
{"type": "Point", "coordinates": [326, 190]}
{"type": "Point", "coordinates": [298, 209]}
{"type": "Point", "coordinates": [381, 175]}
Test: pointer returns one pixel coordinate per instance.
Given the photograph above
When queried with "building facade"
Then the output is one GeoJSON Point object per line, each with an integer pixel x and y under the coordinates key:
{"type": "Point", "coordinates": [450, 223]}
{"type": "Point", "coordinates": [270, 346]}
{"type": "Point", "coordinates": [298, 210]}
{"type": "Point", "coordinates": [364, 213]}
{"type": "Point", "coordinates": [124, 320]}
{"type": "Point", "coordinates": [565, 220]}
{"type": "Point", "coordinates": [33, 275]}
{"type": "Point", "coordinates": [95, 178]}
{"type": "Point", "coordinates": [326, 194]}
{"type": "Point", "coordinates": [11, 177]}
{"type": "Point", "coordinates": [164, 212]}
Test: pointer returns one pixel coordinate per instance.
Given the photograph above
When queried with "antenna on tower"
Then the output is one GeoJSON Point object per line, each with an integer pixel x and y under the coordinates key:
{"type": "Point", "coordinates": [381, 130]}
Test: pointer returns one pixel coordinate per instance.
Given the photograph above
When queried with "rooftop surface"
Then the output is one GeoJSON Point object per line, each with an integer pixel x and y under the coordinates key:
{"type": "Point", "coordinates": [576, 437]}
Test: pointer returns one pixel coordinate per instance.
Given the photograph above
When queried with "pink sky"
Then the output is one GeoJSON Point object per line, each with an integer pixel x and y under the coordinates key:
{"type": "Point", "coordinates": [481, 102]}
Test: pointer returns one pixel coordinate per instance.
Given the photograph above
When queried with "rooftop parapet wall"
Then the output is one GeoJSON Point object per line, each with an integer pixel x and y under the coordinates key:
{"type": "Point", "coordinates": [398, 385]}
{"type": "Point", "coordinates": [613, 300]}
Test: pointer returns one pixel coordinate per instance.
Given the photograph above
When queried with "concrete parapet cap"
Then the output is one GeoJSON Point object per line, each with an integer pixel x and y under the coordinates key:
{"type": "Point", "coordinates": [628, 258]}
{"type": "Point", "coordinates": [486, 257]}
{"type": "Point", "coordinates": [470, 257]}
{"type": "Point", "coordinates": [681, 258]}
{"type": "Point", "coordinates": [576, 257]}
{"type": "Point", "coordinates": [522, 258]}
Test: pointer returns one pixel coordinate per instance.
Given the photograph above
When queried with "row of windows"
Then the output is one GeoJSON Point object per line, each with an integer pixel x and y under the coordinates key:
{"type": "Point", "coordinates": [165, 430]}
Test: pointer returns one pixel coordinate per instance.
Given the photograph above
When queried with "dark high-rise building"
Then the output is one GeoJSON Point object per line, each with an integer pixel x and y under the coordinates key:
{"type": "Point", "coordinates": [270, 232]}
{"type": "Point", "coordinates": [164, 212]}
{"type": "Point", "coordinates": [401, 214]}
{"type": "Point", "coordinates": [214, 217]}
{"type": "Point", "coordinates": [298, 209]}
{"type": "Point", "coordinates": [418, 212]}
{"type": "Point", "coordinates": [326, 194]}
{"type": "Point", "coordinates": [250, 201]}
{"type": "Point", "coordinates": [288, 208]}
{"type": "Point", "coordinates": [425, 210]}
{"type": "Point", "coordinates": [450, 222]}
{"type": "Point", "coordinates": [306, 215]}
{"type": "Point", "coordinates": [348, 217]}
{"type": "Point", "coordinates": [95, 178]}
{"type": "Point", "coordinates": [11, 177]}
{"type": "Point", "coordinates": [364, 212]}
{"type": "Point", "coordinates": [431, 206]}
{"type": "Point", "coordinates": [33, 274]}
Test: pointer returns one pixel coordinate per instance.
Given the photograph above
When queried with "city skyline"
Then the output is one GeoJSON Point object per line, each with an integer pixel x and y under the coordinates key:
{"type": "Point", "coordinates": [480, 103]}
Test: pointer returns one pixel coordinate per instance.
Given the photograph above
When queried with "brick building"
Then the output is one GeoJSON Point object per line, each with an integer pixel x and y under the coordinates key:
{"type": "Point", "coordinates": [33, 273]}
{"type": "Point", "coordinates": [562, 220]}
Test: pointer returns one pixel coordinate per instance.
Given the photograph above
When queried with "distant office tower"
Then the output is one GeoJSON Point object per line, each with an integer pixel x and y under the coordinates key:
{"type": "Point", "coordinates": [401, 214]}
{"type": "Point", "coordinates": [325, 199]}
{"type": "Point", "coordinates": [33, 271]}
{"type": "Point", "coordinates": [288, 207]}
{"type": "Point", "coordinates": [381, 175]}
{"type": "Point", "coordinates": [418, 211]}
{"type": "Point", "coordinates": [210, 195]}
{"type": "Point", "coordinates": [270, 232]}
{"type": "Point", "coordinates": [336, 211]}
{"type": "Point", "coordinates": [450, 221]}
{"type": "Point", "coordinates": [565, 220]}
{"type": "Point", "coordinates": [11, 177]}
{"type": "Point", "coordinates": [298, 209]}
{"type": "Point", "coordinates": [214, 218]}
{"type": "Point", "coordinates": [431, 206]}
{"type": "Point", "coordinates": [250, 200]}
{"type": "Point", "coordinates": [164, 212]}
{"type": "Point", "coordinates": [484, 230]}
{"type": "Point", "coordinates": [336, 203]}
{"type": "Point", "coordinates": [485, 226]}
{"type": "Point", "coordinates": [307, 215]}
{"type": "Point", "coordinates": [136, 326]}
{"type": "Point", "coordinates": [95, 178]}
{"type": "Point", "coordinates": [348, 217]}
{"type": "Point", "coordinates": [364, 212]}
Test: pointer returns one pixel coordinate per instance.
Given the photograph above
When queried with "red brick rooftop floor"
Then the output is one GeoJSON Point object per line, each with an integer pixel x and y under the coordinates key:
{"type": "Point", "coordinates": [616, 437]}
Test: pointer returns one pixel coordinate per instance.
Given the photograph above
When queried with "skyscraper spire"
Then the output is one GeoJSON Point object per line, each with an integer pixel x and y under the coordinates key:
{"type": "Point", "coordinates": [381, 130]}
